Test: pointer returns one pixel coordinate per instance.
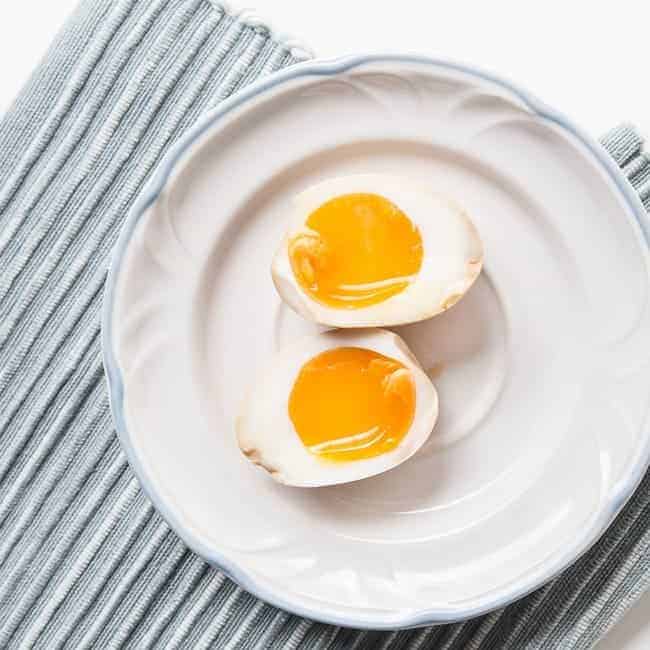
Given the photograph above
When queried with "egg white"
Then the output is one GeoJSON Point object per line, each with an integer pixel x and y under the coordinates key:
{"type": "Point", "coordinates": [452, 254]}
{"type": "Point", "coordinates": [268, 438]}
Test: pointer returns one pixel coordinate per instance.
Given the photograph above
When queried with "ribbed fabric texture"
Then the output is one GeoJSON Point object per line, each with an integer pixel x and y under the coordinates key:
{"type": "Point", "coordinates": [85, 561]}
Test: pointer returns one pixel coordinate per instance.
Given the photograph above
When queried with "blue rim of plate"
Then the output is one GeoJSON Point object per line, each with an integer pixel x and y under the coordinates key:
{"type": "Point", "coordinates": [529, 581]}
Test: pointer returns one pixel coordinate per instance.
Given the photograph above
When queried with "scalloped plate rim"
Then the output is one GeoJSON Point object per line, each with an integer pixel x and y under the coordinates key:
{"type": "Point", "coordinates": [407, 619]}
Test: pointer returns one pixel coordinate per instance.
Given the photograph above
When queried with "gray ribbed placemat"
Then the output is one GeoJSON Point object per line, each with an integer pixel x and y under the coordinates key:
{"type": "Point", "coordinates": [84, 559]}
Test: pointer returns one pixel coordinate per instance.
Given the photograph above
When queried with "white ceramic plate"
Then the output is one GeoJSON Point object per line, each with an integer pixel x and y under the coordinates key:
{"type": "Point", "coordinates": [542, 369]}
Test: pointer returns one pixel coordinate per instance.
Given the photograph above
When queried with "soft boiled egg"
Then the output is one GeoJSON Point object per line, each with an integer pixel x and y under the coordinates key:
{"type": "Point", "coordinates": [374, 250]}
{"type": "Point", "coordinates": [337, 407]}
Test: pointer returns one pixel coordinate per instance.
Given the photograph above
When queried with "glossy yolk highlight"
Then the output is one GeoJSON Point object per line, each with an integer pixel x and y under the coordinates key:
{"type": "Point", "coordinates": [351, 403]}
{"type": "Point", "coordinates": [357, 250]}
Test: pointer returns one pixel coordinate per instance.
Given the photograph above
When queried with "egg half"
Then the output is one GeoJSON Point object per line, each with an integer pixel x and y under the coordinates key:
{"type": "Point", "coordinates": [337, 407]}
{"type": "Point", "coordinates": [375, 250]}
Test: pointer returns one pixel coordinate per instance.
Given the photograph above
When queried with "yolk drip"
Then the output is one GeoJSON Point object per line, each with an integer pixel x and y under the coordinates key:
{"type": "Point", "coordinates": [352, 403]}
{"type": "Point", "coordinates": [357, 250]}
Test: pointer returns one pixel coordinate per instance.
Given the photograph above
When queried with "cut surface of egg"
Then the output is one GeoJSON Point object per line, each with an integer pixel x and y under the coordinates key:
{"type": "Point", "coordinates": [372, 249]}
{"type": "Point", "coordinates": [337, 407]}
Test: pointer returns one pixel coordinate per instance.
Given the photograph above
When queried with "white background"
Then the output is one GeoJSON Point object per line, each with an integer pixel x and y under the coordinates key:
{"type": "Point", "coordinates": [590, 60]}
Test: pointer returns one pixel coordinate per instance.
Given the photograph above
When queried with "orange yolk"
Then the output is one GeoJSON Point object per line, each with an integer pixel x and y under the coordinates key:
{"type": "Point", "coordinates": [352, 403]}
{"type": "Point", "coordinates": [357, 250]}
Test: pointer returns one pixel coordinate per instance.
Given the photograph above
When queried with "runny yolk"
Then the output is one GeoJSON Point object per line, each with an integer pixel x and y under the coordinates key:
{"type": "Point", "coordinates": [352, 403]}
{"type": "Point", "coordinates": [357, 250]}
